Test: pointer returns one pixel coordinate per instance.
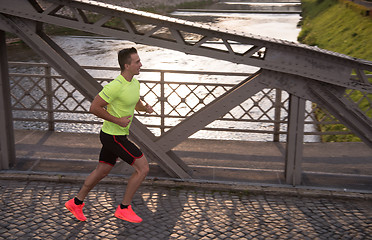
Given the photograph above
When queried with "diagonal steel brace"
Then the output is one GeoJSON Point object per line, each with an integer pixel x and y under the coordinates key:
{"type": "Point", "coordinates": [328, 96]}
{"type": "Point", "coordinates": [217, 108]}
{"type": "Point", "coordinates": [28, 31]}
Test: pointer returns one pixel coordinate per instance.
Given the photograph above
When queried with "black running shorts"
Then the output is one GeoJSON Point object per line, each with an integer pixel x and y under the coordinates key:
{"type": "Point", "coordinates": [118, 146]}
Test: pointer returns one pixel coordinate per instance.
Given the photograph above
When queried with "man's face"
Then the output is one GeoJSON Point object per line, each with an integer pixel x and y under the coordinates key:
{"type": "Point", "coordinates": [135, 65]}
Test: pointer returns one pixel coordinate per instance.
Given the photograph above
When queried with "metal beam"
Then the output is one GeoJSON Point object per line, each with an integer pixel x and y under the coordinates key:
{"type": "Point", "coordinates": [305, 72]}
{"type": "Point", "coordinates": [141, 27]}
{"type": "Point", "coordinates": [295, 138]}
{"type": "Point", "coordinates": [217, 108]}
{"type": "Point", "coordinates": [167, 160]}
{"type": "Point", "coordinates": [328, 96]}
{"type": "Point", "coordinates": [7, 149]}
{"type": "Point", "coordinates": [29, 32]}
{"type": "Point", "coordinates": [332, 98]}
{"type": "Point", "coordinates": [88, 86]}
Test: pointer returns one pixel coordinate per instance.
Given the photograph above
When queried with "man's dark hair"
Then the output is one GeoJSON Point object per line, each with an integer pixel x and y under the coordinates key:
{"type": "Point", "coordinates": [124, 56]}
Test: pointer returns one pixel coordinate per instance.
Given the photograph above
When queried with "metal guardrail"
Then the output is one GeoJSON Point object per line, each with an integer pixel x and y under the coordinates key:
{"type": "Point", "coordinates": [42, 99]}
{"type": "Point", "coordinates": [304, 72]}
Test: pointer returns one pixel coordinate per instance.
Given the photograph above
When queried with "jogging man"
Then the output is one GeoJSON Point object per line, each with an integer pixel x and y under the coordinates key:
{"type": "Point", "coordinates": [116, 104]}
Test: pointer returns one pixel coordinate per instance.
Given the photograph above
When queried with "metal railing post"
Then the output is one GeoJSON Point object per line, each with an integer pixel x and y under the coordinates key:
{"type": "Point", "coordinates": [162, 102]}
{"type": "Point", "coordinates": [7, 148]}
{"type": "Point", "coordinates": [295, 136]}
{"type": "Point", "coordinates": [278, 108]}
{"type": "Point", "coordinates": [49, 96]}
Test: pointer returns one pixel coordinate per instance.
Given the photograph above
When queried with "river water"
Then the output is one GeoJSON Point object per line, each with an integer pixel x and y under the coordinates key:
{"type": "Point", "coordinates": [93, 51]}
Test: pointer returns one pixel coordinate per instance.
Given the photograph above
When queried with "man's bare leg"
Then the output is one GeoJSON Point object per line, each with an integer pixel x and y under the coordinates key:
{"type": "Point", "coordinates": [141, 167]}
{"type": "Point", "coordinates": [75, 207]}
{"type": "Point", "coordinates": [97, 175]}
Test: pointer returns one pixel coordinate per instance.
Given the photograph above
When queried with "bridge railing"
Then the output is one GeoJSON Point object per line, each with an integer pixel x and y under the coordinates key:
{"type": "Point", "coordinates": [42, 99]}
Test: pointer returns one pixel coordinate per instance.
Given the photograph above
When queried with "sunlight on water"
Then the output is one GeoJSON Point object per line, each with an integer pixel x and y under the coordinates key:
{"type": "Point", "coordinates": [280, 26]}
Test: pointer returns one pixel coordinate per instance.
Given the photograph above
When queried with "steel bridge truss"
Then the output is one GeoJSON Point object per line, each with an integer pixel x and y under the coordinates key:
{"type": "Point", "coordinates": [305, 72]}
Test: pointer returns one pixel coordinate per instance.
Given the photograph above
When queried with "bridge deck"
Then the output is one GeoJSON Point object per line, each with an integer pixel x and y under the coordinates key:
{"type": "Point", "coordinates": [330, 165]}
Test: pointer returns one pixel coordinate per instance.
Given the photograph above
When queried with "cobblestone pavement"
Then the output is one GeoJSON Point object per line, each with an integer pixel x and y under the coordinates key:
{"type": "Point", "coordinates": [35, 210]}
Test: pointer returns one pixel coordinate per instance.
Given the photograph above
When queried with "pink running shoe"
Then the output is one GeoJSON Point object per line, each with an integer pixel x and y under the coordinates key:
{"type": "Point", "coordinates": [127, 214]}
{"type": "Point", "coordinates": [77, 210]}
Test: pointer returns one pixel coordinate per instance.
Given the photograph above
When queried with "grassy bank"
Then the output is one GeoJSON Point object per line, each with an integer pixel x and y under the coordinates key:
{"type": "Point", "coordinates": [333, 25]}
{"type": "Point", "coordinates": [342, 27]}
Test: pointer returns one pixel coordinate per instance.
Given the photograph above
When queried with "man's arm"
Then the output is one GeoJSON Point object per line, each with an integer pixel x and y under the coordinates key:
{"type": "Point", "coordinates": [140, 106]}
{"type": "Point", "coordinates": [98, 108]}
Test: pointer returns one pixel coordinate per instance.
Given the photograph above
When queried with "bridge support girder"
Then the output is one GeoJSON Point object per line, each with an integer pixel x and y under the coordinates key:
{"type": "Point", "coordinates": [192, 38]}
{"type": "Point", "coordinates": [219, 107]}
{"type": "Point", "coordinates": [29, 32]}
{"type": "Point", "coordinates": [295, 138]}
{"type": "Point", "coordinates": [305, 72]}
{"type": "Point", "coordinates": [327, 96]}
{"type": "Point", "coordinates": [7, 149]}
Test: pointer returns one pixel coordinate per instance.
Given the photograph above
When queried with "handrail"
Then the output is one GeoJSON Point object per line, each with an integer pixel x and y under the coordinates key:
{"type": "Point", "coordinates": [83, 117]}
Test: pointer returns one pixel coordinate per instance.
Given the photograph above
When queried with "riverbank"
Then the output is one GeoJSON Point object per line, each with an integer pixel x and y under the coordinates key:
{"type": "Point", "coordinates": [335, 26]}
{"type": "Point", "coordinates": [341, 27]}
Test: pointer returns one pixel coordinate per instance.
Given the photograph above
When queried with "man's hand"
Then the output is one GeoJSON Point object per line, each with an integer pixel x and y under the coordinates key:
{"type": "Point", "coordinates": [149, 108]}
{"type": "Point", "coordinates": [142, 107]}
{"type": "Point", "coordinates": [123, 121]}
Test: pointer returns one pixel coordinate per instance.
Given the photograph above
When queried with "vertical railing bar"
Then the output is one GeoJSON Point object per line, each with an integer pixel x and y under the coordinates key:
{"type": "Point", "coordinates": [162, 102]}
{"type": "Point", "coordinates": [51, 121]}
{"type": "Point", "coordinates": [278, 108]}
{"type": "Point", "coordinates": [295, 136]}
{"type": "Point", "coordinates": [49, 96]}
{"type": "Point", "coordinates": [7, 146]}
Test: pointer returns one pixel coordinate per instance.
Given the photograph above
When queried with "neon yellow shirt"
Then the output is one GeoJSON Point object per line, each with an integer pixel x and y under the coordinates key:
{"type": "Point", "coordinates": [122, 97]}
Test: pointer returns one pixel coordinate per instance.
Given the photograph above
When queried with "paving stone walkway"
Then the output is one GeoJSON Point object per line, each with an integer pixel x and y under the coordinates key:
{"type": "Point", "coordinates": [35, 210]}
